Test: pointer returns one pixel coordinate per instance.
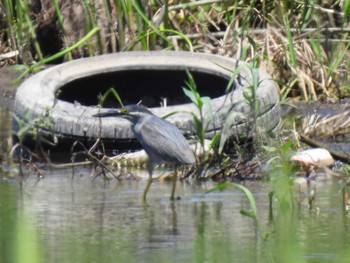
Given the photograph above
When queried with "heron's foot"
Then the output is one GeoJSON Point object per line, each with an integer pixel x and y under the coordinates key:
{"type": "Point", "coordinates": [172, 198]}
{"type": "Point", "coordinates": [145, 203]}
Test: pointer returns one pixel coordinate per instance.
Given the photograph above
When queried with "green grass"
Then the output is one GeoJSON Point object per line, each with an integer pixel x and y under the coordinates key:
{"type": "Point", "coordinates": [298, 42]}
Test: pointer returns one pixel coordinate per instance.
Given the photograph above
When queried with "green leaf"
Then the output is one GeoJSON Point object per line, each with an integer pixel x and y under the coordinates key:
{"type": "Point", "coordinates": [247, 213]}
{"type": "Point", "coordinates": [334, 65]}
{"type": "Point", "coordinates": [18, 67]}
{"type": "Point", "coordinates": [251, 199]}
{"type": "Point", "coordinates": [269, 148]}
{"type": "Point", "coordinates": [234, 76]}
{"type": "Point", "coordinates": [255, 76]}
{"type": "Point", "coordinates": [207, 104]}
{"type": "Point", "coordinates": [293, 56]}
{"type": "Point", "coordinates": [287, 146]}
{"type": "Point", "coordinates": [346, 9]}
{"type": "Point", "coordinates": [254, 213]}
{"type": "Point", "coordinates": [113, 92]}
{"type": "Point", "coordinates": [215, 140]}
{"type": "Point", "coordinates": [190, 95]}
{"type": "Point", "coordinates": [219, 187]}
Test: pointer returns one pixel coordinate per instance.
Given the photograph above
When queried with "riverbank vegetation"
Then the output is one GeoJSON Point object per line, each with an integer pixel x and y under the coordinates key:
{"type": "Point", "coordinates": [303, 45]}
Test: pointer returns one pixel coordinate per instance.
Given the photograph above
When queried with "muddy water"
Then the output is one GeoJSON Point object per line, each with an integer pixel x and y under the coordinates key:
{"type": "Point", "coordinates": [64, 218]}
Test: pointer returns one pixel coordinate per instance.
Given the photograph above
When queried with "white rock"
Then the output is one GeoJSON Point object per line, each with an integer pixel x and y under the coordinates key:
{"type": "Point", "coordinates": [317, 157]}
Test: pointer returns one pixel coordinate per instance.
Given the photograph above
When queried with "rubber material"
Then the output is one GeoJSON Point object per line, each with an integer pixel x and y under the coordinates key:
{"type": "Point", "coordinates": [73, 121]}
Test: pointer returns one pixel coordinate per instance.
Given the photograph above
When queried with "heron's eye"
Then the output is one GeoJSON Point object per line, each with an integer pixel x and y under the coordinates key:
{"type": "Point", "coordinates": [125, 111]}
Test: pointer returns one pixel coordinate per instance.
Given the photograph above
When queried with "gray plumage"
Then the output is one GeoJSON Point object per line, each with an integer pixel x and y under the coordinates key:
{"type": "Point", "coordinates": [162, 141]}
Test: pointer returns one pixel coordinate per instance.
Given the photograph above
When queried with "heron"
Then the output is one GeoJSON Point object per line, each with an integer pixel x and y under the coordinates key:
{"type": "Point", "coordinates": [162, 141]}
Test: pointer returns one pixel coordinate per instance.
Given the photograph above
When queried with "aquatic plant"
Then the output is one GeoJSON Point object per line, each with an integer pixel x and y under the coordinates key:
{"type": "Point", "coordinates": [33, 128]}
{"type": "Point", "coordinates": [253, 214]}
{"type": "Point", "coordinates": [201, 121]}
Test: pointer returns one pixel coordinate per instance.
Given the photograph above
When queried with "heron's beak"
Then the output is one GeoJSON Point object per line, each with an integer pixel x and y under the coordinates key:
{"type": "Point", "coordinates": [112, 113]}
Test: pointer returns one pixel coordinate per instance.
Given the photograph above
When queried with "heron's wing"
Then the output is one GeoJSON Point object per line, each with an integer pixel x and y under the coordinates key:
{"type": "Point", "coordinates": [164, 141]}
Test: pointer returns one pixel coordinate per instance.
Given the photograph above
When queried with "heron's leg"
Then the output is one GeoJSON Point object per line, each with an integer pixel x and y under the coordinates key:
{"type": "Point", "coordinates": [149, 182]}
{"type": "Point", "coordinates": [172, 196]}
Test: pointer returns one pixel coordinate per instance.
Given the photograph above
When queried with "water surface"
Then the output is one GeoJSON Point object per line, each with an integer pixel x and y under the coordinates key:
{"type": "Point", "coordinates": [63, 218]}
{"type": "Point", "coordinates": [75, 219]}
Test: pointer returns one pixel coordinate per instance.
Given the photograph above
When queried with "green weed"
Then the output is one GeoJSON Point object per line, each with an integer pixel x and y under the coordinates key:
{"type": "Point", "coordinates": [253, 214]}
{"type": "Point", "coordinates": [33, 128]}
{"type": "Point", "coordinates": [109, 92]}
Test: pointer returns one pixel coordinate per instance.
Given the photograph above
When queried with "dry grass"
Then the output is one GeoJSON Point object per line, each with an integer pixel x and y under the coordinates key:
{"type": "Point", "coordinates": [303, 47]}
{"type": "Point", "coordinates": [329, 126]}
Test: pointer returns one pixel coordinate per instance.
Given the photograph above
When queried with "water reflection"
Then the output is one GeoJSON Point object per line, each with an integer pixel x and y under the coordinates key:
{"type": "Point", "coordinates": [80, 220]}
{"type": "Point", "coordinates": [77, 214]}
{"type": "Point", "coordinates": [76, 219]}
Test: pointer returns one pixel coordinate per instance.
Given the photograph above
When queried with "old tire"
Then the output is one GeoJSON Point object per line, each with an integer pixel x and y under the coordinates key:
{"type": "Point", "coordinates": [73, 121]}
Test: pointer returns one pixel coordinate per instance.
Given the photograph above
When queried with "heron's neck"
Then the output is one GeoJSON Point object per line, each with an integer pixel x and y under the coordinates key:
{"type": "Point", "coordinates": [139, 121]}
{"type": "Point", "coordinates": [131, 118]}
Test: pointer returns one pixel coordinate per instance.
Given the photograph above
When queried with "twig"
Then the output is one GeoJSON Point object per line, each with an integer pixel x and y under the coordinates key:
{"type": "Point", "coordinates": [193, 4]}
{"type": "Point", "coordinates": [69, 165]}
{"type": "Point", "coordinates": [264, 30]}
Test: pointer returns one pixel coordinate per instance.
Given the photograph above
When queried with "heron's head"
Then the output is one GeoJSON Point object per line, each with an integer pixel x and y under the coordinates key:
{"type": "Point", "coordinates": [131, 112]}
